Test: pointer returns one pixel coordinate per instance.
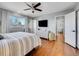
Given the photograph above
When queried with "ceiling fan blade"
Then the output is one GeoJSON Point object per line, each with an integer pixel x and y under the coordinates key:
{"type": "Point", "coordinates": [27, 9]}
{"type": "Point", "coordinates": [38, 9]}
{"type": "Point", "coordinates": [28, 4]}
{"type": "Point", "coordinates": [38, 4]}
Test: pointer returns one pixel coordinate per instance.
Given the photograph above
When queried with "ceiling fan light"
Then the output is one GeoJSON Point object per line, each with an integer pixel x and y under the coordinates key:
{"type": "Point", "coordinates": [32, 11]}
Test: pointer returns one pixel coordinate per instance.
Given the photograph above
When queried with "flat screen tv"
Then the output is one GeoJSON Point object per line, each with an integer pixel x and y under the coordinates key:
{"type": "Point", "coordinates": [43, 23]}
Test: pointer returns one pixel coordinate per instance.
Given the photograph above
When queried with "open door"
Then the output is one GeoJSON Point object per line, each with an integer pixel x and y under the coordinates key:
{"type": "Point", "coordinates": [70, 29]}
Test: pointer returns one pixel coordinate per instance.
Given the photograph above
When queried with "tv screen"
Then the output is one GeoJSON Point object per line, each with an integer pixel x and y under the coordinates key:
{"type": "Point", "coordinates": [43, 23]}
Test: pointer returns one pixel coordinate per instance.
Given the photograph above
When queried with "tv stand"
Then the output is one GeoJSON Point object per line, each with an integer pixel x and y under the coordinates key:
{"type": "Point", "coordinates": [42, 32]}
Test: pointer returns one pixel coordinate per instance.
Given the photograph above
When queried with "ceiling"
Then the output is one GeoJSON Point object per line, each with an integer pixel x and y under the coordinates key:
{"type": "Point", "coordinates": [47, 7]}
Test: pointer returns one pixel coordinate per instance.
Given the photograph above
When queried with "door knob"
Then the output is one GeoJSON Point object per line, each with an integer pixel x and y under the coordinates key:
{"type": "Point", "coordinates": [73, 31]}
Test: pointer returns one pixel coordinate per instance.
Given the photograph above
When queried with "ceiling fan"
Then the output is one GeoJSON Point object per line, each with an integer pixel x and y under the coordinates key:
{"type": "Point", "coordinates": [33, 7]}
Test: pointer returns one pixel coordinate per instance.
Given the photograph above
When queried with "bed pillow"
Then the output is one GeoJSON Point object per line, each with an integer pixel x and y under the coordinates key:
{"type": "Point", "coordinates": [1, 37]}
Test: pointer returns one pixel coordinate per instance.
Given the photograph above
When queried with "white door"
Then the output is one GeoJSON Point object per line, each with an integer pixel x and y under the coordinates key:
{"type": "Point", "coordinates": [78, 31]}
{"type": "Point", "coordinates": [70, 29]}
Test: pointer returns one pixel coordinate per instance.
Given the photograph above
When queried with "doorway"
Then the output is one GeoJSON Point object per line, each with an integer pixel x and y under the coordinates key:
{"type": "Point", "coordinates": [60, 20]}
{"type": "Point", "coordinates": [60, 25]}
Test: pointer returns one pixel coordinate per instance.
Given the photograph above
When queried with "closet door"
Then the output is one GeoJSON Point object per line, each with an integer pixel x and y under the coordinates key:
{"type": "Point", "coordinates": [0, 21]}
{"type": "Point", "coordinates": [78, 30]}
{"type": "Point", "coordinates": [70, 29]}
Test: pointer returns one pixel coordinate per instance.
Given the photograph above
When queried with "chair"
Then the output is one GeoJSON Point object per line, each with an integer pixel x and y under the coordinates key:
{"type": "Point", "coordinates": [51, 36]}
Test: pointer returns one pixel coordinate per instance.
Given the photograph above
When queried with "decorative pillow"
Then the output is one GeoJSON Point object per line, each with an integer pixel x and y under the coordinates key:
{"type": "Point", "coordinates": [1, 37]}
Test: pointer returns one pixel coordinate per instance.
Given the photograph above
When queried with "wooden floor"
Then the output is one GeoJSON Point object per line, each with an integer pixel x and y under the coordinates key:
{"type": "Point", "coordinates": [54, 48]}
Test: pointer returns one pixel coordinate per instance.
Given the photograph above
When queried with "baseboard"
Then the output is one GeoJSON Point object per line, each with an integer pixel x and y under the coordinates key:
{"type": "Point", "coordinates": [44, 38]}
{"type": "Point", "coordinates": [70, 45]}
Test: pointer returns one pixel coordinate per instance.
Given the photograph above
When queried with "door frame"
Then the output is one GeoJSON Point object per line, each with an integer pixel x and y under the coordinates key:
{"type": "Point", "coordinates": [56, 24]}
{"type": "Point", "coordinates": [76, 17]}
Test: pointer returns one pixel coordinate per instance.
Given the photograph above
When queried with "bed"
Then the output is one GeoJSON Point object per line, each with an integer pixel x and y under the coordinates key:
{"type": "Point", "coordinates": [18, 43]}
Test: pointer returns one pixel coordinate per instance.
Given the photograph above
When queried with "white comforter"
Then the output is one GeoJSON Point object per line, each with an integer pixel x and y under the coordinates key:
{"type": "Point", "coordinates": [18, 44]}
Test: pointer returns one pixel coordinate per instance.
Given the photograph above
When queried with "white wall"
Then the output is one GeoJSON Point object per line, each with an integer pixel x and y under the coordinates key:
{"type": "Point", "coordinates": [43, 32]}
{"type": "Point", "coordinates": [51, 21]}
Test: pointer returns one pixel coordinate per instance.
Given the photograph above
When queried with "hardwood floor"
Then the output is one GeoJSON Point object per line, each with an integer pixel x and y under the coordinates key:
{"type": "Point", "coordinates": [54, 48]}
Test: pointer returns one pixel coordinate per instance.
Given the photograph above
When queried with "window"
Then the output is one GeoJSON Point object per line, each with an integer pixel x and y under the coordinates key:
{"type": "Point", "coordinates": [17, 20]}
{"type": "Point", "coordinates": [21, 21]}
{"type": "Point", "coordinates": [13, 20]}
